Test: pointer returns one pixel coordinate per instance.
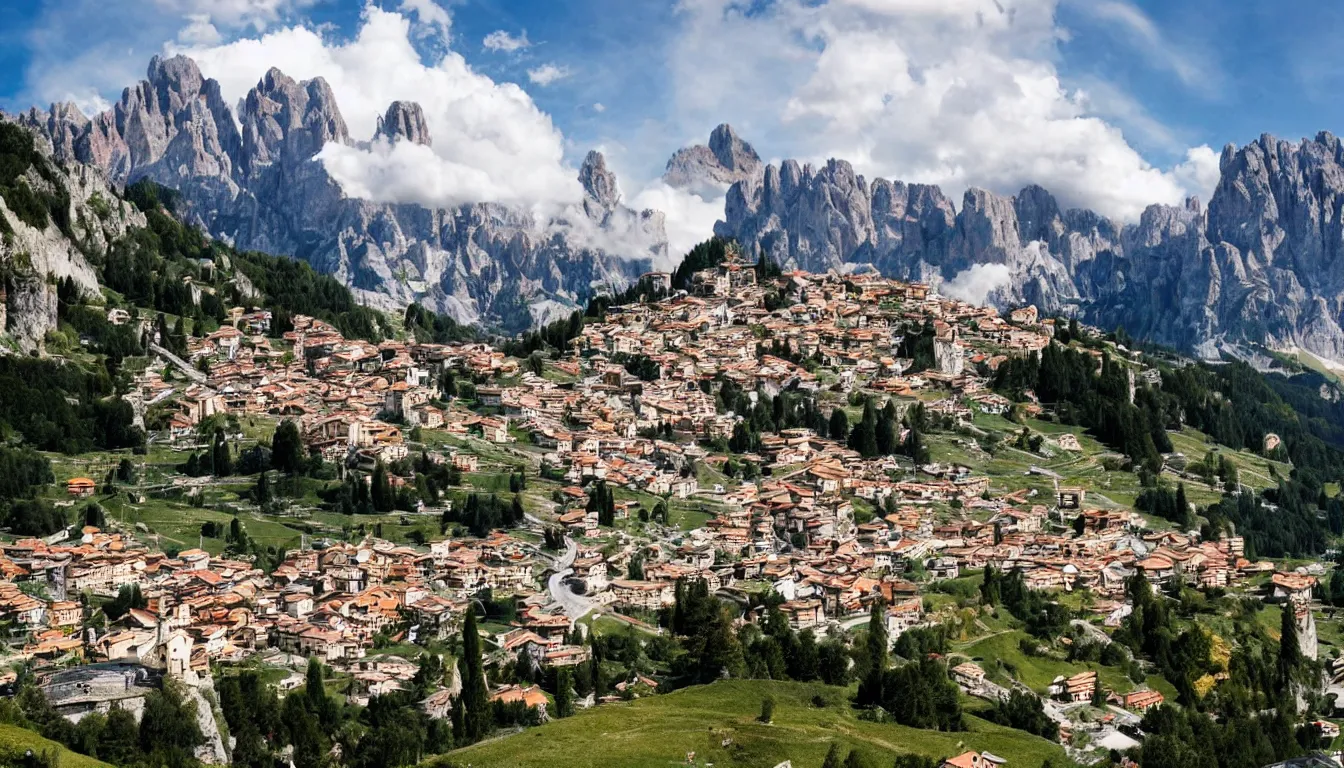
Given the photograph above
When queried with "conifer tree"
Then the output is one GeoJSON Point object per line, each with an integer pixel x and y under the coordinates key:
{"type": "Point", "coordinates": [287, 448]}
{"type": "Point", "coordinates": [564, 692]}
{"type": "Point", "coordinates": [839, 427]}
{"type": "Point", "coordinates": [380, 490]}
{"type": "Point", "coordinates": [220, 457]}
{"type": "Point", "coordinates": [475, 703]}
{"type": "Point", "coordinates": [1290, 653]}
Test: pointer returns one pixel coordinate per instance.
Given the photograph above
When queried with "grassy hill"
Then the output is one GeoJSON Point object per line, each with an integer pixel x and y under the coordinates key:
{"type": "Point", "coordinates": [718, 723]}
{"type": "Point", "coordinates": [15, 741]}
{"type": "Point", "coordinates": [1002, 657]}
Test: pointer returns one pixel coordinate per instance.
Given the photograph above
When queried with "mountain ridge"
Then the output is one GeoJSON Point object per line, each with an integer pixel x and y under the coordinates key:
{"type": "Point", "coordinates": [252, 183]}
{"type": "Point", "coordinates": [1257, 266]}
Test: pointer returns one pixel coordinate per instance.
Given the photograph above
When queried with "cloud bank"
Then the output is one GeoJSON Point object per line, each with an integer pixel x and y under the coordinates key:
{"type": "Point", "coordinates": [490, 141]}
{"type": "Point", "coordinates": [975, 284]}
{"type": "Point", "coordinates": [950, 92]}
{"type": "Point", "coordinates": [957, 93]}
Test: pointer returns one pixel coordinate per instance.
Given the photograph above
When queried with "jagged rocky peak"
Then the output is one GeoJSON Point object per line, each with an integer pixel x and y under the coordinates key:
{"type": "Point", "coordinates": [404, 120]}
{"type": "Point", "coordinates": [1038, 216]}
{"type": "Point", "coordinates": [598, 182]}
{"type": "Point", "coordinates": [175, 80]}
{"type": "Point", "coordinates": [727, 160]}
{"type": "Point", "coordinates": [284, 117]}
{"type": "Point", "coordinates": [250, 180]}
{"type": "Point", "coordinates": [732, 152]}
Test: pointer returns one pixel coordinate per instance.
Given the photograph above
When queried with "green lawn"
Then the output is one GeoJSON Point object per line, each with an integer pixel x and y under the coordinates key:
{"type": "Point", "coordinates": [1252, 469]}
{"type": "Point", "coordinates": [15, 741]}
{"type": "Point", "coordinates": [718, 723]}
{"type": "Point", "coordinates": [1037, 672]}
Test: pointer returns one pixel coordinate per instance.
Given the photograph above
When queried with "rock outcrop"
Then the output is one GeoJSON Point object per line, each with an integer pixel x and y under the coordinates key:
{"type": "Point", "coordinates": [711, 169]}
{"type": "Point", "coordinates": [83, 218]}
{"type": "Point", "coordinates": [258, 187]}
{"type": "Point", "coordinates": [404, 120]}
{"type": "Point", "coordinates": [1260, 265]}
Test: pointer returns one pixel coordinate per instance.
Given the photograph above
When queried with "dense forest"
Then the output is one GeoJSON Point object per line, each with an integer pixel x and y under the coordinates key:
{"type": "Point", "coordinates": [1233, 403]}
{"type": "Point", "coordinates": [1096, 397]}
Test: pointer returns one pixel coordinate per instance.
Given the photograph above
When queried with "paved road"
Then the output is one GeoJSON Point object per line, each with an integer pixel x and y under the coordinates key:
{"type": "Point", "coordinates": [183, 365]}
{"type": "Point", "coordinates": [574, 606]}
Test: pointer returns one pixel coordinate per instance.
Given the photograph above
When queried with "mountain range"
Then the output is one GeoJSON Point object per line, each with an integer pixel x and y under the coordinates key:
{"type": "Point", "coordinates": [1258, 266]}
{"type": "Point", "coordinates": [251, 179]}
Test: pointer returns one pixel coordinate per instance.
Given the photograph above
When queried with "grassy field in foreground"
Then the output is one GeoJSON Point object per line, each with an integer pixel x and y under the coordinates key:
{"type": "Point", "coordinates": [718, 723]}
{"type": "Point", "coordinates": [15, 741]}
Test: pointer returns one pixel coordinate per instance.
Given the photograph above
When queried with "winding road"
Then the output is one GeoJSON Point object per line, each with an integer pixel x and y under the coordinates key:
{"type": "Point", "coordinates": [574, 606]}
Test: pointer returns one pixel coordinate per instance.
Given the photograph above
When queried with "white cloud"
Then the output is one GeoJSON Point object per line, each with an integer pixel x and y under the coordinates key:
{"type": "Point", "coordinates": [1199, 173]}
{"type": "Point", "coordinates": [959, 93]}
{"type": "Point", "coordinates": [502, 41]}
{"type": "Point", "coordinates": [490, 141]}
{"type": "Point", "coordinates": [430, 13]}
{"type": "Point", "coordinates": [599, 107]}
{"type": "Point", "coordinates": [1106, 100]}
{"type": "Point", "coordinates": [199, 31]}
{"type": "Point", "coordinates": [547, 74]}
{"type": "Point", "coordinates": [1144, 34]}
{"type": "Point", "coordinates": [689, 217]}
{"type": "Point", "coordinates": [977, 283]}
{"type": "Point", "coordinates": [257, 14]}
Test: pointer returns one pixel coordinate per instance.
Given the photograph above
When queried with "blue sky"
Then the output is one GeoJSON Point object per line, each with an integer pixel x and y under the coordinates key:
{"type": "Point", "coordinates": [1110, 103]}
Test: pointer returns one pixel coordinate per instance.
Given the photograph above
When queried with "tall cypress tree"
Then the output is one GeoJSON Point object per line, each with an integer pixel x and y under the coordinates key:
{"type": "Point", "coordinates": [914, 446]}
{"type": "Point", "coordinates": [839, 426]}
{"type": "Point", "coordinates": [864, 437]}
{"type": "Point", "coordinates": [221, 459]}
{"type": "Point", "coordinates": [475, 702]}
{"type": "Point", "coordinates": [564, 692]}
{"type": "Point", "coordinates": [887, 434]}
{"type": "Point", "coordinates": [381, 489]}
{"type": "Point", "coordinates": [870, 688]}
{"type": "Point", "coordinates": [1290, 653]}
{"type": "Point", "coordinates": [1183, 517]}
{"type": "Point", "coordinates": [287, 448]}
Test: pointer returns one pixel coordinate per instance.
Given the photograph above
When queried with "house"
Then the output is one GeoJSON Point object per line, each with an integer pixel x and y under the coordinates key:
{"type": "Point", "coordinates": [1081, 687]}
{"type": "Point", "coordinates": [1141, 701]}
{"type": "Point", "coordinates": [803, 614]}
{"type": "Point", "coordinates": [80, 487]}
{"type": "Point", "coordinates": [532, 696]}
{"type": "Point", "coordinates": [65, 613]}
{"type": "Point", "coordinates": [1293, 587]}
{"type": "Point", "coordinates": [964, 760]}
{"type": "Point", "coordinates": [439, 705]}
{"type": "Point", "coordinates": [1070, 498]}
{"type": "Point", "coordinates": [1327, 729]}
{"type": "Point", "coordinates": [644, 595]}
{"type": "Point", "coordinates": [968, 675]}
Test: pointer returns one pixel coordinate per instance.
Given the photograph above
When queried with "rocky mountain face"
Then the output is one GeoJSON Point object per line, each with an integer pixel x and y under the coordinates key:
{"type": "Point", "coordinates": [1261, 264]}
{"type": "Point", "coordinates": [708, 170]}
{"type": "Point", "coordinates": [259, 188]}
{"type": "Point", "coordinates": [78, 218]}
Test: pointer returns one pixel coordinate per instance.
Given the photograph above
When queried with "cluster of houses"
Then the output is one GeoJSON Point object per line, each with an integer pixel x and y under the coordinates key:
{"type": "Point", "coordinates": [635, 403]}
{"type": "Point", "coordinates": [334, 604]}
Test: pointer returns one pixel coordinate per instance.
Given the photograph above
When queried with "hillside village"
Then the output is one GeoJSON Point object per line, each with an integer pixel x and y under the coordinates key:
{"type": "Point", "coordinates": [703, 435]}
